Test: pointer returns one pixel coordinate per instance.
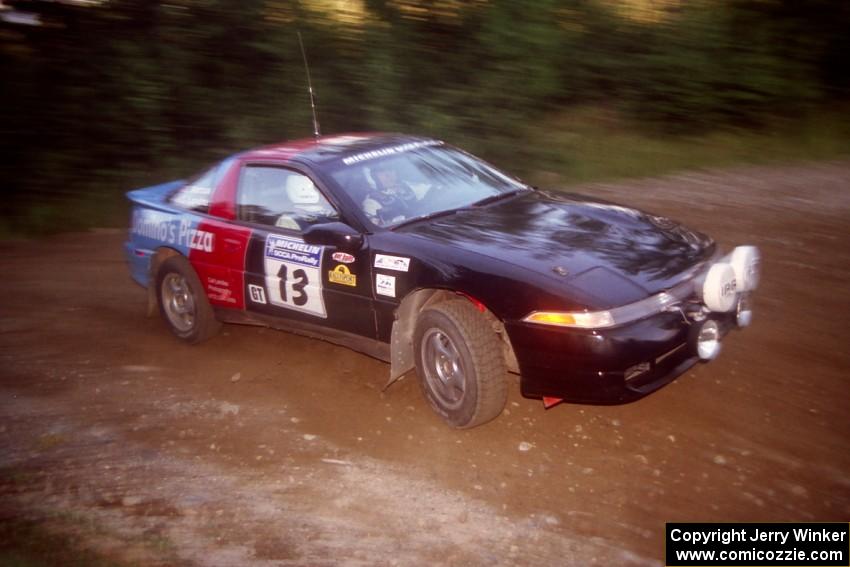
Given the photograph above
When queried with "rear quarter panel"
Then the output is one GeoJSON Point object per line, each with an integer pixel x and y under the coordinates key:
{"type": "Point", "coordinates": [215, 248]}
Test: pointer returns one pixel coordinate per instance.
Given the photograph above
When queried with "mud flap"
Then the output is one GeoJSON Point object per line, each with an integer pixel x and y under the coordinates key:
{"type": "Point", "coordinates": [152, 308]}
{"type": "Point", "coordinates": [401, 356]}
{"type": "Point", "coordinates": [550, 402]}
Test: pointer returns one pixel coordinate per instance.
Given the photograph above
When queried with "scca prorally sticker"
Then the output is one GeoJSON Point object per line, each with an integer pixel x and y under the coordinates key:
{"type": "Point", "coordinates": [343, 257]}
{"type": "Point", "coordinates": [342, 275]}
{"type": "Point", "coordinates": [385, 285]}
{"type": "Point", "coordinates": [294, 274]}
{"type": "Point", "coordinates": [257, 293]}
{"type": "Point", "coordinates": [397, 263]}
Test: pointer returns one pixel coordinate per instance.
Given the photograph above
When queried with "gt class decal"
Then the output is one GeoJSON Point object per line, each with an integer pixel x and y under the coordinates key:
{"type": "Point", "coordinates": [257, 293]}
{"type": "Point", "coordinates": [293, 272]}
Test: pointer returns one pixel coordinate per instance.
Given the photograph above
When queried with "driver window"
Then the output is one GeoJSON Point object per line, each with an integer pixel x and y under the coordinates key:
{"type": "Point", "coordinates": [280, 197]}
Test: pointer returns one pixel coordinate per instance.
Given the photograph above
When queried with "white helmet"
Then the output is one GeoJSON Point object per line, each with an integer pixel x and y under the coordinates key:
{"type": "Point", "coordinates": [301, 190]}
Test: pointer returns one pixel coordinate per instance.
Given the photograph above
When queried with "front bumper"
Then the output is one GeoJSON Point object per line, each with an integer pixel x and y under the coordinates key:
{"type": "Point", "coordinates": [606, 366]}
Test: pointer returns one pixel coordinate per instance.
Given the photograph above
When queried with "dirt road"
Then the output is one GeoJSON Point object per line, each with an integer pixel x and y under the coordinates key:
{"type": "Point", "coordinates": [119, 445]}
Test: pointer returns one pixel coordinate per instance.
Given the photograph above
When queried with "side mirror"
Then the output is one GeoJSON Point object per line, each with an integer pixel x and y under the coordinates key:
{"type": "Point", "coordinates": [333, 234]}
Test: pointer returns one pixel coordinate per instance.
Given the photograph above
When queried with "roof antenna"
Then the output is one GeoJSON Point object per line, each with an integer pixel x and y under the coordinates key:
{"type": "Point", "coordinates": [310, 87]}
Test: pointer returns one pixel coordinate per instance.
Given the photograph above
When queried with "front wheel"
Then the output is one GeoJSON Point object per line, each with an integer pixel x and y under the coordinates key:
{"type": "Point", "coordinates": [460, 364]}
{"type": "Point", "coordinates": [183, 303]}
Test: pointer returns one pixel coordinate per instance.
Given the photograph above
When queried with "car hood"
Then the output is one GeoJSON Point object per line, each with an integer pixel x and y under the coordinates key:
{"type": "Point", "coordinates": [609, 253]}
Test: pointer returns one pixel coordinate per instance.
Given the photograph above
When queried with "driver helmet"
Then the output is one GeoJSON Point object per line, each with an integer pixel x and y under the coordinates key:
{"type": "Point", "coordinates": [301, 191]}
{"type": "Point", "coordinates": [386, 177]}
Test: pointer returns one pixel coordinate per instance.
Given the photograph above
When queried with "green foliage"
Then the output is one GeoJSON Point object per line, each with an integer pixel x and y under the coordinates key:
{"type": "Point", "coordinates": [718, 65]}
{"type": "Point", "coordinates": [592, 144]}
{"type": "Point", "coordinates": [105, 97]}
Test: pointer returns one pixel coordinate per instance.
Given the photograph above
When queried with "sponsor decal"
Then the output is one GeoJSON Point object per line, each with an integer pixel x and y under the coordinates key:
{"type": "Point", "coordinates": [342, 275]}
{"type": "Point", "coordinates": [294, 274]}
{"type": "Point", "coordinates": [219, 290]}
{"type": "Point", "coordinates": [343, 257]}
{"type": "Point", "coordinates": [397, 263]}
{"type": "Point", "coordinates": [192, 196]}
{"type": "Point", "coordinates": [257, 293]}
{"type": "Point", "coordinates": [199, 240]}
{"type": "Point", "coordinates": [293, 250]}
{"type": "Point", "coordinates": [177, 231]}
{"type": "Point", "coordinates": [385, 285]}
{"type": "Point", "coordinates": [728, 288]}
{"type": "Point", "coordinates": [146, 224]}
{"type": "Point", "coordinates": [392, 150]}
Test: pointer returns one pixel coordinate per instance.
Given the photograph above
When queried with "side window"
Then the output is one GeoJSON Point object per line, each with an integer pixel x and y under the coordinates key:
{"type": "Point", "coordinates": [196, 194]}
{"type": "Point", "coordinates": [280, 197]}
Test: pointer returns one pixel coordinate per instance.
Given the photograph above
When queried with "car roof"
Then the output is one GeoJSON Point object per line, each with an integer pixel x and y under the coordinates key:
{"type": "Point", "coordinates": [329, 148]}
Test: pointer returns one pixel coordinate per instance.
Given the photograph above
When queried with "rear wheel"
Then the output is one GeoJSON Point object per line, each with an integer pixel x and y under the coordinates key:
{"type": "Point", "coordinates": [183, 303]}
{"type": "Point", "coordinates": [460, 365]}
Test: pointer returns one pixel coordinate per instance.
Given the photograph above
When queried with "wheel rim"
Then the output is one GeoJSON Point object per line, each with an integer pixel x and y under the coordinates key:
{"type": "Point", "coordinates": [444, 371]}
{"type": "Point", "coordinates": [178, 302]}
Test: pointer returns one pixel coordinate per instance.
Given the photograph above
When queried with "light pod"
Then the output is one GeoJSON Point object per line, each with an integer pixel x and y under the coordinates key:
{"type": "Point", "coordinates": [719, 288]}
{"type": "Point", "coordinates": [745, 261]}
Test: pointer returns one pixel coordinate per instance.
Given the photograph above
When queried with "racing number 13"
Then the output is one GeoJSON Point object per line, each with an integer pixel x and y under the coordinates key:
{"type": "Point", "coordinates": [300, 281]}
{"type": "Point", "coordinates": [293, 274]}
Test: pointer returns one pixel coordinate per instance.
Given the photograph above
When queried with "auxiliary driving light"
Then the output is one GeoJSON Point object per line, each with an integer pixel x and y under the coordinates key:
{"type": "Point", "coordinates": [708, 340]}
{"type": "Point", "coordinates": [744, 314]}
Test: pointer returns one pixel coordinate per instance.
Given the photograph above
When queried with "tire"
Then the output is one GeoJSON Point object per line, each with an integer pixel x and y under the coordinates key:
{"type": "Point", "coordinates": [460, 365]}
{"type": "Point", "coordinates": [183, 303]}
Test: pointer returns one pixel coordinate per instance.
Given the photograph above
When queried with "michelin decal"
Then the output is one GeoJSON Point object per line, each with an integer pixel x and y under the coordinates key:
{"type": "Point", "coordinates": [293, 250]}
{"type": "Point", "coordinates": [293, 275]}
{"type": "Point", "coordinates": [393, 150]}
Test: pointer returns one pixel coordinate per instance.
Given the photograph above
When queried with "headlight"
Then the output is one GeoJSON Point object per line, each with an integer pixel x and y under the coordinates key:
{"type": "Point", "coordinates": [615, 315]}
{"type": "Point", "coordinates": [582, 320]}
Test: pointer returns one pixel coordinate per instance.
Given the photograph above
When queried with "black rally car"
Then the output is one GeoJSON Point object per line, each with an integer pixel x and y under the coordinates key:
{"type": "Point", "coordinates": [417, 253]}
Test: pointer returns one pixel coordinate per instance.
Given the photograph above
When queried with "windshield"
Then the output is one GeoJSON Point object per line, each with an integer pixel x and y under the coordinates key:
{"type": "Point", "coordinates": [421, 182]}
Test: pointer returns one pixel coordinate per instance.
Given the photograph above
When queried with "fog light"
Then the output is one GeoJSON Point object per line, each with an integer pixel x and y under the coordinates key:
{"type": "Point", "coordinates": [708, 340]}
{"type": "Point", "coordinates": [745, 312]}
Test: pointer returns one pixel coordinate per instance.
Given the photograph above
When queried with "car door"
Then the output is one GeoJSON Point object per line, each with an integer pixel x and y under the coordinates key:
{"type": "Point", "coordinates": [284, 276]}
